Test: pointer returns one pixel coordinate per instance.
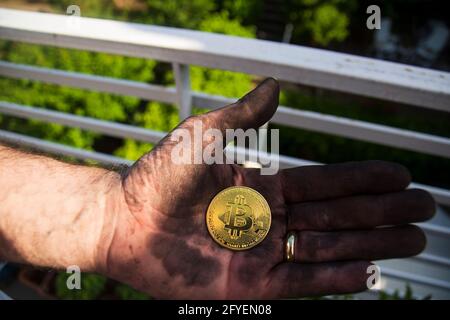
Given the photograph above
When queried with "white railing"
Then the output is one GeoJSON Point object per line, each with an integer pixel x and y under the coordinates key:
{"type": "Point", "coordinates": [347, 73]}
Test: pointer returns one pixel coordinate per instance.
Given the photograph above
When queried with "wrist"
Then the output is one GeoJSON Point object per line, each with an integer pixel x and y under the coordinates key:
{"type": "Point", "coordinates": [113, 204]}
{"type": "Point", "coordinates": [126, 233]}
{"type": "Point", "coordinates": [87, 236]}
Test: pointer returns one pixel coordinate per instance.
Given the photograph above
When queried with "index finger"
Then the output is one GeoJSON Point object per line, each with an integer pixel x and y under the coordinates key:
{"type": "Point", "coordinates": [320, 182]}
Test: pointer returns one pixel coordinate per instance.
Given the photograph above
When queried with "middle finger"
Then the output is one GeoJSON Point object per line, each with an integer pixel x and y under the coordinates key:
{"type": "Point", "coordinates": [362, 212]}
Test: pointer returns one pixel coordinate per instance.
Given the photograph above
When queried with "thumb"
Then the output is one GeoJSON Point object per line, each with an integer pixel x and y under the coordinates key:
{"type": "Point", "coordinates": [251, 111]}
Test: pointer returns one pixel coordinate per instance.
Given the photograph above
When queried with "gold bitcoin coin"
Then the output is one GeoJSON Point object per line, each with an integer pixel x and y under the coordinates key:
{"type": "Point", "coordinates": [238, 218]}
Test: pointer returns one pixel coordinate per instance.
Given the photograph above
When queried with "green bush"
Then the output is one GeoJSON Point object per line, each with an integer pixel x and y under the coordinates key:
{"type": "Point", "coordinates": [182, 14]}
{"type": "Point", "coordinates": [221, 23]}
{"type": "Point", "coordinates": [321, 22]}
{"type": "Point", "coordinates": [246, 11]}
{"type": "Point", "coordinates": [81, 102]}
{"type": "Point", "coordinates": [92, 285]}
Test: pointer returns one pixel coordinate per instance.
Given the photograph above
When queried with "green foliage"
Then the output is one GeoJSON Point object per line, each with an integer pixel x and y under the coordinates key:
{"type": "Point", "coordinates": [246, 11]}
{"type": "Point", "coordinates": [396, 295]}
{"type": "Point", "coordinates": [221, 23]}
{"type": "Point", "coordinates": [125, 292]}
{"type": "Point", "coordinates": [175, 13]}
{"type": "Point", "coordinates": [81, 102]}
{"type": "Point", "coordinates": [321, 21]}
{"type": "Point", "coordinates": [328, 24]}
{"type": "Point", "coordinates": [132, 149]}
{"type": "Point", "coordinates": [92, 285]}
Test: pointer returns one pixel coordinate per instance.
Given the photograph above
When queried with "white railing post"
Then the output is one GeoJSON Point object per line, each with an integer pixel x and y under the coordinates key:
{"type": "Point", "coordinates": [184, 97]}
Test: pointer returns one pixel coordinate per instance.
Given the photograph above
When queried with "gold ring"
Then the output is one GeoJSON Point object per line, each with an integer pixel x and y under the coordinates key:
{"type": "Point", "coordinates": [290, 243]}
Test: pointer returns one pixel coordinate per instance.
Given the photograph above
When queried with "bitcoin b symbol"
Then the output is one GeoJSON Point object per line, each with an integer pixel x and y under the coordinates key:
{"type": "Point", "coordinates": [239, 217]}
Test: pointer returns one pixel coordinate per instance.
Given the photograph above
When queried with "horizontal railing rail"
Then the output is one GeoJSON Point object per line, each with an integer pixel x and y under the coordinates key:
{"type": "Point", "coordinates": [408, 276]}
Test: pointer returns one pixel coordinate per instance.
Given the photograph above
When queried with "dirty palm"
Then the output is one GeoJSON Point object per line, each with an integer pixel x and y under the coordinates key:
{"type": "Point", "coordinates": [161, 245]}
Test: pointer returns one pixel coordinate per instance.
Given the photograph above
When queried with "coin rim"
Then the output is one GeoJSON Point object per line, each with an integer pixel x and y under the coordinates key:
{"type": "Point", "coordinates": [252, 245]}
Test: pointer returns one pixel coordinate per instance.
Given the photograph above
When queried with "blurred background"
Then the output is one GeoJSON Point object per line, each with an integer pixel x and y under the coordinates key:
{"type": "Point", "coordinates": [409, 26]}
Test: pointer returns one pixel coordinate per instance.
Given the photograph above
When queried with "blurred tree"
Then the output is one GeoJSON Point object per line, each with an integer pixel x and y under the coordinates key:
{"type": "Point", "coordinates": [321, 22]}
{"type": "Point", "coordinates": [175, 13]}
{"type": "Point", "coordinates": [81, 102]}
{"type": "Point", "coordinates": [246, 11]}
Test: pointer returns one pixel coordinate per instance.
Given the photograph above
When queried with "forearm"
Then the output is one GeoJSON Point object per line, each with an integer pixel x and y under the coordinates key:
{"type": "Point", "coordinates": [52, 213]}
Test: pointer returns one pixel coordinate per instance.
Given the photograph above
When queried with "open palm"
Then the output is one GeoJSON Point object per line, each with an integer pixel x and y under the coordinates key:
{"type": "Point", "coordinates": [159, 242]}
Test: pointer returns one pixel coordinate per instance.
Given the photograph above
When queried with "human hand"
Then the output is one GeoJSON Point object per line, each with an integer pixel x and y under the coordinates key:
{"type": "Point", "coordinates": [155, 237]}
